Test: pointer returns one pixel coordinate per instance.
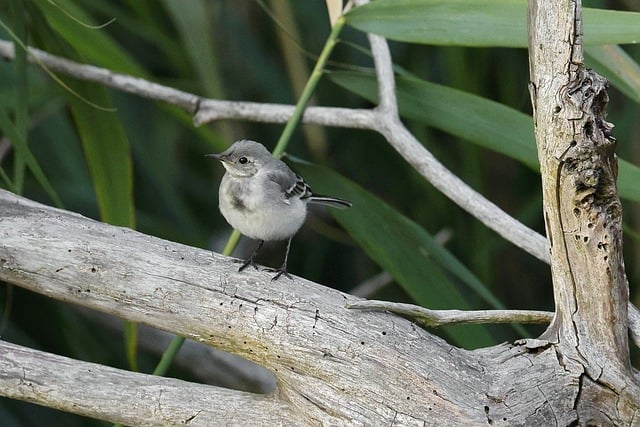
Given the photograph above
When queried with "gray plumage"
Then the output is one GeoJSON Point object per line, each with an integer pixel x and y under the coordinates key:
{"type": "Point", "coordinates": [262, 198]}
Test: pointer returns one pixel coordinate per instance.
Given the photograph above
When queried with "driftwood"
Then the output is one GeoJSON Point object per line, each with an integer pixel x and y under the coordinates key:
{"type": "Point", "coordinates": [333, 365]}
{"type": "Point", "coordinates": [336, 366]}
{"type": "Point", "coordinates": [583, 217]}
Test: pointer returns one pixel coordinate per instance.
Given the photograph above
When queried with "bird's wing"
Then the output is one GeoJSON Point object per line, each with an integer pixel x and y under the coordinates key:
{"type": "Point", "coordinates": [290, 184]}
{"type": "Point", "coordinates": [299, 189]}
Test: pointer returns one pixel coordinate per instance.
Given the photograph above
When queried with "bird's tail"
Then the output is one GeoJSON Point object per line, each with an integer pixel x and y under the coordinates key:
{"type": "Point", "coordinates": [330, 201]}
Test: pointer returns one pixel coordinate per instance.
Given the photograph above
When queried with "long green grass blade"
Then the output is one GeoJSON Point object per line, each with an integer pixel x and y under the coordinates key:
{"type": "Point", "coordinates": [617, 66]}
{"type": "Point", "coordinates": [479, 22]}
{"type": "Point", "coordinates": [425, 270]}
{"type": "Point", "coordinates": [7, 181]}
{"type": "Point", "coordinates": [108, 156]}
{"type": "Point", "coordinates": [168, 356]}
{"type": "Point", "coordinates": [471, 118]}
{"type": "Point", "coordinates": [68, 31]}
{"type": "Point", "coordinates": [78, 29]}
{"type": "Point", "coordinates": [314, 78]}
{"type": "Point", "coordinates": [193, 21]}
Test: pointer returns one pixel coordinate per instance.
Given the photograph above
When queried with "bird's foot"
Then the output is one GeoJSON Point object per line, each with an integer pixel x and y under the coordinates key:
{"type": "Point", "coordinates": [249, 261]}
{"type": "Point", "coordinates": [246, 263]}
{"type": "Point", "coordinates": [282, 271]}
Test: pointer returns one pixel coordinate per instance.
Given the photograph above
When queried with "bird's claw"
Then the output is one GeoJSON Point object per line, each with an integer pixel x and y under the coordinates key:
{"type": "Point", "coordinates": [281, 272]}
{"type": "Point", "coordinates": [246, 263]}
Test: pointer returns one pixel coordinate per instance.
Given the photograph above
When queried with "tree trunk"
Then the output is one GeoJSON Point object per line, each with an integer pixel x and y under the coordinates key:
{"type": "Point", "coordinates": [582, 211]}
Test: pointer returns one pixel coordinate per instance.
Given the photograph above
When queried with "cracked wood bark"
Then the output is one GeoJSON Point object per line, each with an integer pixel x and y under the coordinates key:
{"type": "Point", "coordinates": [583, 215]}
{"type": "Point", "coordinates": [333, 366]}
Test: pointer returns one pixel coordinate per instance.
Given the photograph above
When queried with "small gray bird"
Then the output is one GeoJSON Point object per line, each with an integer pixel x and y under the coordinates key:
{"type": "Point", "coordinates": [262, 198]}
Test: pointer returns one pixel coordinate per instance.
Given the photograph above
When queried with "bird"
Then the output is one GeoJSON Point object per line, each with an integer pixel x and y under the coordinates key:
{"type": "Point", "coordinates": [262, 198]}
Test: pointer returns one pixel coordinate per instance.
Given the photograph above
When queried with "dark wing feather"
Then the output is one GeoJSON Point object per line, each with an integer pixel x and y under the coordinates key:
{"type": "Point", "coordinates": [299, 189]}
{"type": "Point", "coordinates": [290, 184]}
{"type": "Point", "coordinates": [293, 185]}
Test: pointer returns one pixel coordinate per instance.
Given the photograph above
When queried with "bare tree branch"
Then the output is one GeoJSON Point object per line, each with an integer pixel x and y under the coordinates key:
{"type": "Point", "coordinates": [126, 397]}
{"type": "Point", "coordinates": [383, 120]}
{"type": "Point", "coordinates": [135, 85]}
{"type": "Point", "coordinates": [204, 363]}
{"type": "Point", "coordinates": [436, 318]}
{"type": "Point", "coordinates": [634, 324]}
{"type": "Point", "coordinates": [389, 125]}
{"type": "Point", "coordinates": [333, 366]}
{"type": "Point", "coordinates": [387, 102]}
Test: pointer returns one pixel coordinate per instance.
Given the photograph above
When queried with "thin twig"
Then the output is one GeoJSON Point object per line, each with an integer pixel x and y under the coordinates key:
{"type": "Point", "coordinates": [387, 102]}
{"type": "Point", "coordinates": [123, 82]}
{"type": "Point", "coordinates": [436, 318]}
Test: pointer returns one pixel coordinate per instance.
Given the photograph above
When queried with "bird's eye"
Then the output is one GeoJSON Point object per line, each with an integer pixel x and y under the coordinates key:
{"type": "Point", "coordinates": [243, 160]}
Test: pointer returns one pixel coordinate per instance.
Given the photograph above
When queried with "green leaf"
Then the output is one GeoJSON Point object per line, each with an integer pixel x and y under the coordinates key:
{"type": "Point", "coordinates": [471, 118]}
{"type": "Point", "coordinates": [93, 44]}
{"type": "Point", "coordinates": [193, 21]}
{"type": "Point", "coordinates": [628, 179]}
{"type": "Point", "coordinates": [479, 22]}
{"type": "Point", "coordinates": [610, 27]}
{"type": "Point", "coordinates": [426, 271]}
{"type": "Point", "coordinates": [7, 181]}
{"type": "Point", "coordinates": [108, 155]}
{"type": "Point", "coordinates": [105, 144]}
{"type": "Point", "coordinates": [464, 23]}
{"type": "Point", "coordinates": [617, 66]}
{"type": "Point", "coordinates": [96, 47]}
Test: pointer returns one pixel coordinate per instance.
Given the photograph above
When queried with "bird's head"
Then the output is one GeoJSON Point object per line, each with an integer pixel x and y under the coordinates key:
{"type": "Point", "coordinates": [244, 158]}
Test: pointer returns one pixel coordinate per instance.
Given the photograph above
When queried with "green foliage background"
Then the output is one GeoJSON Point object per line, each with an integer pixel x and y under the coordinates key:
{"type": "Point", "coordinates": [137, 163]}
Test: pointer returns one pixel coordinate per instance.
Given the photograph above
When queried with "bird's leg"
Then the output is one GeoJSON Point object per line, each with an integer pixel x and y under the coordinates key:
{"type": "Point", "coordinates": [283, 268]}
{"type": "Point", "coordinates": [249, 261]}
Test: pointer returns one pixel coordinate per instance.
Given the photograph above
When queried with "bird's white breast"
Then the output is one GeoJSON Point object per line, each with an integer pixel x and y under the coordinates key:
{"type": "Point", "coordinates": [258, 209]}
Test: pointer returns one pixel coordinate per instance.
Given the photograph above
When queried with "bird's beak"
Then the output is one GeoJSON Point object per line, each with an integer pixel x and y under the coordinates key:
{"type": "Point", "coordinates": [221, 156]}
